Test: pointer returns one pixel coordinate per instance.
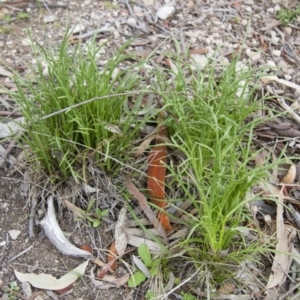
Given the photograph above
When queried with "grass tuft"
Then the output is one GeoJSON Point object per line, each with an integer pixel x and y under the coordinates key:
{"type": "Point", "coordinates": [61, 138]}
{"type": "Point", "coordinates": [209, 125]}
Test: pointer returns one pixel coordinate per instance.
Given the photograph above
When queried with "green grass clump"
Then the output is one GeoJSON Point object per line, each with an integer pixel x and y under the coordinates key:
{"type": "Point", "coordinates": [288, 15]}
{"type": "Point", "coordinates": [207, 125]}
{"type": "Point", "coordinates": [65, 128]}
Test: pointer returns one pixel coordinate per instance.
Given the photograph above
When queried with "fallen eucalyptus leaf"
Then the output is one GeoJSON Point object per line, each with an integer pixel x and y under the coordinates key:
{"type": "Point", "coordinates": [49, 282]}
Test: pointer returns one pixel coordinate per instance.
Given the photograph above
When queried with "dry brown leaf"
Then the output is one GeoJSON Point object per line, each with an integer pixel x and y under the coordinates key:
{"type": "Point", "coordinates": [263, 44]}
{"type": "Point", "coordinates": [144, 53]}
{"type": "Point", "coordinates": [284, 248]}
{"type": "Point", "coordinates": [271, 24]}
{"type": "Point", "coordinates": [289, 178]}
{"type": "Point", "coordinates": [86, 248]}
{"type": "Point", "coordinates": [200, 51]}
{"type": "Point", "coordinates": [146, 208]}
{"type": "Point", "coordinates": [226, 289]}
{"type": "Point", "coordinates": [99, 262]}
{"type": "Point", "coordinates": [108, 282]}
{"type": "Point", "coordinates": [269, 189]}
{"type": "Point", "coordinates": [112, 256]}
{"type": "Point", "coordinates": [75, 209]}
{"type": "Point", "coordinates": [145, 144]}
{"type": "Point", "coordinates": [108, 267]}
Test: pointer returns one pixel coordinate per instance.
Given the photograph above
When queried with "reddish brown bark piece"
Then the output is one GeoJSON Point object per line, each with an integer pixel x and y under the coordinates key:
{"type": "Point", "coordinates": [156, 178]}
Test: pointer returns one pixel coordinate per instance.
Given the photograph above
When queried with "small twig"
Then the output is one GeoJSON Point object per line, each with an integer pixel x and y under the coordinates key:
{"type": "Point", "coordinates": [23, 252]}
{"type": "Point", "coordinates": [10, 148]}
{"type": "Point", "coordinates": [94, 32]}
{"type": "Point", "coordinates": [5, 113]}
{"type": "Point", "coordinates": [178, 286]}
{"type": "Point", "coordinates": [289, 291]}
{"type": "Point", "coordinates": [183, 45]}
{"type": "Point", "coordinates": [10, 291]}
{"type": "Point", "coordinates": [290, 53]}
{"type": "Point", "coordinates": [285, 106]}
{"type": "Point", "coordinates": [129, 7]}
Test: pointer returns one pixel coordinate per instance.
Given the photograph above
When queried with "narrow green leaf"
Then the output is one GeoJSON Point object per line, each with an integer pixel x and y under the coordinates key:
{"type": "Point", "coordinates": [145, 254]}
{"type": "Point", "coordinates": [90, 205]}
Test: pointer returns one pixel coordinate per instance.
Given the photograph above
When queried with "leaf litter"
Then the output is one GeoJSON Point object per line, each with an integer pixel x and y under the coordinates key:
{"type": "Point", "coordinates": [273, 136]}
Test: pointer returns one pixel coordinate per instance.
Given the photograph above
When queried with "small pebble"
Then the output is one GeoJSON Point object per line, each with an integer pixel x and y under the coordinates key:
{"type": "Point", "coordinates": [164, 12]}
{"type": "Point", "coordinates": [275, 40]}
{"type": "Point", "coordinates": [253, 55]}
{"type": "Point", "coordinates": [76, 29]}
{"type": "Point", "coordinates": [14, 233]}
{"type": "Point", "coordinates": [200, 60]}
{"type": "Point", "coordinates": [131, 22]}
{"type": "Point", "coordinates": [26, 42]}
{"type": "Point", "coordinates": [271, 64]}
{"type": "Point", "coordinates": [277, 53]}
{"type": "Point", "coordinates": [190, 4]}
{"type": "Point", "coordinates": [49, 19]}
{"type": "Point", "coordinates": [244, 22]}
{"type": "Point", "coordinates": [288, 30]}
{"type": "Point", "coordinates": [277, 7]}
{"type": "Point", "coordinates": [287, 77]}
{"type": "Point", "coordinates": [116, 34]}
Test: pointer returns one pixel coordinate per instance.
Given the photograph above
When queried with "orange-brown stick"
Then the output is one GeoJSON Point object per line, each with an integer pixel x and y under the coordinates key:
{"type": "Point", "coordinates": [156, 182]}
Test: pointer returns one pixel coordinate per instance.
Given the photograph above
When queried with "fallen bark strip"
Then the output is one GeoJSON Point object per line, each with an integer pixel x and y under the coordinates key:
{"type": "Point", "coordinates": [56, 236]}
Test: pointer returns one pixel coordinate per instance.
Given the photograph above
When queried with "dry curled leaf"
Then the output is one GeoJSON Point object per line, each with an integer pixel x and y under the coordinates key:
{"type": "Point", "coordinates": [132, 189]}
{"type": "Point", "coordinates": [108, 281]}
{"type": "Point", "coordinates": [112, 256]}
{"type": "Point", "coordinates": [75, 209]}
{"type": "Point", "coordinates": [289, 178]}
